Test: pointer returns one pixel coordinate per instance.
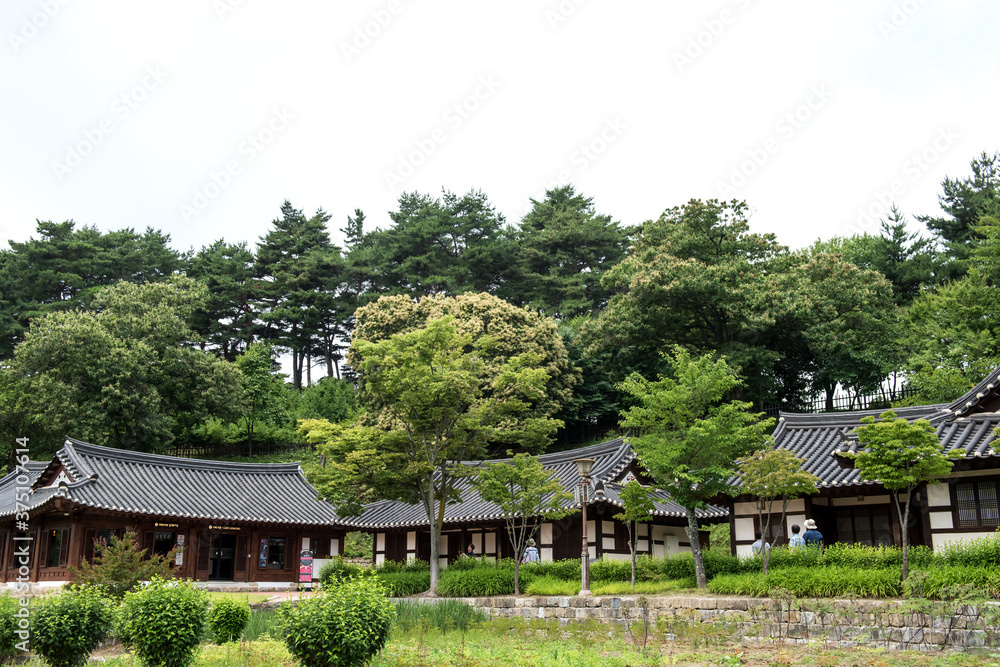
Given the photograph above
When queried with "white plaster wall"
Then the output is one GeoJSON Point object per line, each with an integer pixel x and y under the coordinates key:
{"type": "Point", "coordinates": [608, 543]}
{"type": "Point", "coordinates": [672, 544]}
{"type": "Point", "coordinates": [794, 505]}
{"type": "Point", "coordinates": [941, 520]}
{"type": "Point", "coordinates": [938, 495]}
{"type": "Point", "coordinates": [545, 553]}
{"type": "Point", "coordinates": [334, 546]}
{"type": "Point", "coordinates": [618, 556]}
{"type": "Point", "coordinates": [591, 531]}
{"type": "Point", "coordinates": [477, 543]}
{"type": "Point", "coordinates": [642, 546]}
{"type": "Point", "coordinates": [491, 543]}
{"type": "Point", "coordinates": [607, 528]}
{"type": "Point", "coordinates": [744, 550]}
{"type": "Point", "coordinates": [379, 559]}
{"type": "Point", "coordinates": [305, 544]}
{"type": "Point", "coordinates": [795, 519]}
{"type": "Point", "coordinates": [411, 540]}
{"type": "Point", "coordinates": [443, 546]}
{"type": "Point", "coordinates": [744, 529]}
{"type": "Point", "coordinates": [545, 533]}
{"type": "Point", "coordinates": [643, 530]}
{"type": "Point", "coordinates": [380, 542]}
{"type": "Point", "coordinates": [744, 508]}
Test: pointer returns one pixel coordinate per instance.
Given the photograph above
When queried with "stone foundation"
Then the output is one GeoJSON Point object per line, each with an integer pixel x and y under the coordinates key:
{"type": "Point", "coordinates": [890, 624]}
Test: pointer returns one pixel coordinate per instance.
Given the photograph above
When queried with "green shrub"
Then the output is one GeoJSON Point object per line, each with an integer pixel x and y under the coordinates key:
{"type": "Point", "coordinates": [549, 585]}
{"type": "Point", "coordinates": [641, 587]}
{"type": "Point", "coordinates": [336, 571]}
{"type": "Point", "coordinates": [609, 569]}
{"type": "Point", "coordinates": [342, 626]}
{"type": "Point", "coordinates": [811, 582]}
{"type": "Point", "coordinates": [121, 566]}
{"type": "Point", "coordinates": [163, 622]}
{"type": "Point", "coordinates": [66, 628]}
{"type": "Point", "coordinates": [442, 615]}
{"type": "Point", "coordinates": [943, 581]}
{"type": "Point", "coordinates": [864, 557]}
{"type": "Point", "coordinates": [486, 579]}
{"type": "Point", "coordinates": [567, 569]}
{"type": "Point", "coordinates": [227, 618]}
{"type": "Point", "coordinates": [403, 584]}
{"type": "Point", "coordinates": [9, 607]}
{"type": "Point", "coordinates": [981, 552]}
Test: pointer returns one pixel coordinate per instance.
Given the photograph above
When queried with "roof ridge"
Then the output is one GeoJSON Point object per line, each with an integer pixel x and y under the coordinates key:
{"type": "Point", "coordinates": [971, 398]}
{"type": "Point", "coordinates": [85, 448]}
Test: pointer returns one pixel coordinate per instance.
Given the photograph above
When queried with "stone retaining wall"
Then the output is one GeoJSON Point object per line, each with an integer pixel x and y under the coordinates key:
{"type": "Point", "coordinates": [886, 623]}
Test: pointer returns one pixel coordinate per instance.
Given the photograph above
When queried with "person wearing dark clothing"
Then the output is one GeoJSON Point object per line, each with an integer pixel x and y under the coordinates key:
{"type": "Point", "coordinates": [812, 537]}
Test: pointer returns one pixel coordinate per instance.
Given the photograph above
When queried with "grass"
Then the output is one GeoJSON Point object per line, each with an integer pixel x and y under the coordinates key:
{"type": "Point", "coordinates": [517, 642]}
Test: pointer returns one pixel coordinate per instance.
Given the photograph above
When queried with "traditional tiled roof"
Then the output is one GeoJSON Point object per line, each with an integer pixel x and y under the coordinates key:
{"type": "Point", "coordinates": [822, 438]}
{"type": "Point", "coordinates": [154, 485]}
{"type": "Point", "coordinates": [610, 460]}
{"type": "Point", "coordinates": [10, 487]}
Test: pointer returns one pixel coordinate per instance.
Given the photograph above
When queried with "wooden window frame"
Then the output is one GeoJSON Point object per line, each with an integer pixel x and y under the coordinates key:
{"type": "Point", "coordinates": [870, 509]}
{"type": "Point", "coordinates": [976, 483]}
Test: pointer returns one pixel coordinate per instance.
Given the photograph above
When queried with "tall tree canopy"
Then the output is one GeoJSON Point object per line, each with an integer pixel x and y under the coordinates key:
{"type": "Point", "coordinates": [126, 375]}
{"type": "Point", "coordinates": [300, 274]}
{"type": "Point", "coordinates": [513, 330]}
{"type": "Point", "coordinates": [226, 322]}
{"type": "Point", "coordinates": [561, 251]}
{"type": "Point", "coordinates": [64, 267]}
{"type": "Point", "coordinates": [442, 246]}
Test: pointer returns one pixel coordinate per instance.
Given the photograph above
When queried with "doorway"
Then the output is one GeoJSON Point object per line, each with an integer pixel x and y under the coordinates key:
{"type": "Point", "coordinates": [223, 557]}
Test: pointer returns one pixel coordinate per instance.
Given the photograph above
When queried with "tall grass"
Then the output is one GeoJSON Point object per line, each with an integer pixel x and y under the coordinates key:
{"type": "Point", "coordinates": [442, 615]}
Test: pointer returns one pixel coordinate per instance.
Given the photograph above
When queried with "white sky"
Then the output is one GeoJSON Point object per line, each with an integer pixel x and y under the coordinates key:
{"type": "Point", "coordinates": [116, 113]}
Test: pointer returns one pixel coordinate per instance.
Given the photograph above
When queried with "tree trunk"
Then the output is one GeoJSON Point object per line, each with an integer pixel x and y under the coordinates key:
{"type": "Point", "coordinates": [904, 520]}
{"type": "Point", "coordinates": [517, 574]}
{"type": "Point", "coordinates": [435, 539]}
{"type": "Point", "coordinates": [692, 533]}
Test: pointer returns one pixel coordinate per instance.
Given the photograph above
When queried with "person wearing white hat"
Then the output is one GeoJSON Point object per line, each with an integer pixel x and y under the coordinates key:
{"type": "Point", "coordinates": [812, 536]}
{"type": "Point", "coordinates": [531, 553]}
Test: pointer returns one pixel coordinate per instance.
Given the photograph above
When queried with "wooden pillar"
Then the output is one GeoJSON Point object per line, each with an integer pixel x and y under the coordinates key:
{"type": "Point", "coordinates": [76, 541]}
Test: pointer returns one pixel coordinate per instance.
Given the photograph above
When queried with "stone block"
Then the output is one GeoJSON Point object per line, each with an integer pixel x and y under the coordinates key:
{"type": "Point", "coordinates": [564, 602]}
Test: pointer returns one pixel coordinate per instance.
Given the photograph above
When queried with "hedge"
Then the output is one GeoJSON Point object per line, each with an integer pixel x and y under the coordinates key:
{"type": "Point", "coordinates": [811, 582]}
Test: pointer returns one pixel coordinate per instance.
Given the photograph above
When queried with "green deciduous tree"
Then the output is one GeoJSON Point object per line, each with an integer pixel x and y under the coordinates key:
{"type": "Point", "coordinates": [435, 398]}
{"type": "Point", "coordinates": [264, 394]}
{"type": "Point", "coordinates": [126, 375]}
{"type": "Point", "coordinates": [513, 331]}
{"type": "Point", "coordinates": [900, 456]}
{"type": "Point", "coordinates": [689, 437]}
{"type": "Point", "coordinates": [527, 495]}
{"type": "Point", "coordinates": [771, 475]}
{"type": "Point", "coordinates": [638, 508]}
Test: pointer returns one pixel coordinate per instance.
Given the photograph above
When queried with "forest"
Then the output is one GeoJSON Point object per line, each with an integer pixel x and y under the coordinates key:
{"type": "Point", "coordinates": [119, 339]}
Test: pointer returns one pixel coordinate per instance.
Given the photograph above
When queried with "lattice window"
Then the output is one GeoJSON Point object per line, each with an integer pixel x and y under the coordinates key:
{"type": "Point", "coordinates": [976, 504]}
{"type": "Point", "coordinates": [871, 526]}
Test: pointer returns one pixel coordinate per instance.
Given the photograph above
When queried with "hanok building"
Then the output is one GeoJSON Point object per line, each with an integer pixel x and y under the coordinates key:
{"type": "Point", "coordinates": [848, 509]}
{"type": "Point", "coordinates": [239, 522]}
{"type": "Point", "coordinates": [402, 531]}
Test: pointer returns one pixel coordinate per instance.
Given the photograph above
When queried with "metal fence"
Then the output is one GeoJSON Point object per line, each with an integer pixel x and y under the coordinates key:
{"type": "Point", "coordinates": [883, 398]}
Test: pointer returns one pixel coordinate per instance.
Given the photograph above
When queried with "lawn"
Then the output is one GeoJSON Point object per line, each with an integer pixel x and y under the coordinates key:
{"type": "Point", "coordinates": [252, 598]}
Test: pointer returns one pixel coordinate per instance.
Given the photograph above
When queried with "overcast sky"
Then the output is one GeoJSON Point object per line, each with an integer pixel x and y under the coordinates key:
{"type": "Point", "coordinates": [200, 118]}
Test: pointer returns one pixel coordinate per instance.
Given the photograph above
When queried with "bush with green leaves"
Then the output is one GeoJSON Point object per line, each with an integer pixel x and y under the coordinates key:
{"type": "Point", "coordinates": [164, 622]}
{"type": "Point", "coordinates": [940, 582]}
{"type": "Point", "coordinates": [567, 568]}
{"type": "Point", "coordinates": [9, 607]}
{"type": "Point", "coordinates": [981, 552]}
{"type": "Point", "coordinates": [484, 579]}
{"type": "Point", "coordinates": [121, 565]}
{"type": "Point", "coordinates": [336, 571]}
{"type": "Point", "coordinates": [811, 582]}
{"type": "Point", "coordinates": [67, 628]}
{"type": "Point", "coordinates": [227, 617]}
{"type": "Point", "coordinates": [344, 625]}
{"type": "Point", "coordinates": [403, 584]}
